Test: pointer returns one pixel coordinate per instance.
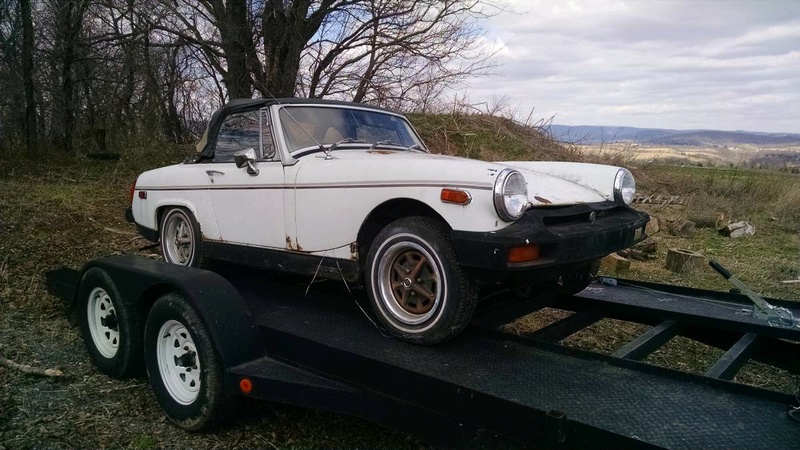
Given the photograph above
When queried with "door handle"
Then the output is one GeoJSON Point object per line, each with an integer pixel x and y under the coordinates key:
{"type": "Point", "coordinates": [214, 172]}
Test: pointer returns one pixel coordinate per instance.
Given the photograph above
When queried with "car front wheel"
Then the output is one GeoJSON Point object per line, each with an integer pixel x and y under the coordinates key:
{"type": "Point", "coordinates": [181, 239]}
{"type": "Point", "coordinates": [415, 285]}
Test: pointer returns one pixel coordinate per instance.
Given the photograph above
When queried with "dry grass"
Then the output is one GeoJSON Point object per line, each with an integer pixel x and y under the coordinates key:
{"type": "Point", "coordinates": [491, 138]}
{"type": "Point", "coordinates": [58, 212]}
{"type": "Point", "coordinates": [63, 212]}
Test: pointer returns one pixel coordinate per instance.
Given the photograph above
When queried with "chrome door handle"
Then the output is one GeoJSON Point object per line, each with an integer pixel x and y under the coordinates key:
{"type": "Point", "coordinates": [214, 172]}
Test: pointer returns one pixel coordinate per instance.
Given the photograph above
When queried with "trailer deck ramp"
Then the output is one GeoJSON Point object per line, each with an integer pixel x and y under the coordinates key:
{"type": "Point", "coordinates": [530, 391]}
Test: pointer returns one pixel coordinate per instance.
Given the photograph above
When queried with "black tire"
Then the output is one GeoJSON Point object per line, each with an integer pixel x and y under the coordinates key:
{"type": "Point", "coordinates": [112, 330]}
{"type": "Point", "coordinates": [174, 326]}
{"type": "Point", "coordinates": [179, 224]}
{"type": "Point", "coordinates": [439, 303]}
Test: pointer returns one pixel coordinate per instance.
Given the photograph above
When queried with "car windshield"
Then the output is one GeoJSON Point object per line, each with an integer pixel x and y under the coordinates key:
{"type": "Point", "coordinates": [306, 127]}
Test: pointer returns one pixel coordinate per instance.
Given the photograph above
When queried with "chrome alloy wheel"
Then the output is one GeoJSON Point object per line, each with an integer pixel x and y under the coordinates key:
{"type": "Point", "coordinates": [410, 283]}
{"type": "Point", "coordinates": [178, 239]}
{"type": "Point", "coordinates": [102, 320]}
{"type": "Point", "coordinates": [178, 364]}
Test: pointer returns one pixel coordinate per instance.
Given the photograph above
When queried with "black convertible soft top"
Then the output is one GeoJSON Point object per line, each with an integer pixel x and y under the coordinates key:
{"type": "Point", "coordinates": [205, 146]}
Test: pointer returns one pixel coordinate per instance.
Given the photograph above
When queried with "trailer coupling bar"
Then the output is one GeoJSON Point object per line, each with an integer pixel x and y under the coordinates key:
{"type": "Point", "coordinates": [775, 316]}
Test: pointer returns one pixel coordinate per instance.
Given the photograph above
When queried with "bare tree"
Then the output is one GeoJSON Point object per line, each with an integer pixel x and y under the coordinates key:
{"type": "Point", "coordinates": [396, 52]}
{"type": "Point", "coordinates": [223, 31]}
{"type": "Point", "coordinates": [81, 74]}
{"type": "Point", "coordinates": [65, 38]}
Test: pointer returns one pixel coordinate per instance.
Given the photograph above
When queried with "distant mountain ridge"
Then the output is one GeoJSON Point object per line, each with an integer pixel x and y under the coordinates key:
{"type": "Point", "coordinates": [587, 134]}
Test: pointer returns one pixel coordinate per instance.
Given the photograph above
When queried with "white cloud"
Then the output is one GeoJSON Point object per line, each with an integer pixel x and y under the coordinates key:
{"type": "Point", "coordinates": [669, 64]}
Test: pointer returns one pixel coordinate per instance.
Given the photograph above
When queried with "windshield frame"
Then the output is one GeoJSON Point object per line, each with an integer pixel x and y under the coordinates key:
{"type": "Point", "coordinates": [294, 154]}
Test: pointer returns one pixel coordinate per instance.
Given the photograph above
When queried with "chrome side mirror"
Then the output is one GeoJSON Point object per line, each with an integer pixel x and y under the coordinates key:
{"type": "Point", "coordinates": [246, 157]}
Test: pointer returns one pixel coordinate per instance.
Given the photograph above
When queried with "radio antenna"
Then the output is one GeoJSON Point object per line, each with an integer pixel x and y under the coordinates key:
{"type": "Point", "coordinates": [263, 88]}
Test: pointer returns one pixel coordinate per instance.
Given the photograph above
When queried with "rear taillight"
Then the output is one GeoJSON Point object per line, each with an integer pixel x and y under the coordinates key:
{"type": "Point", "coordinates": [133, 190]}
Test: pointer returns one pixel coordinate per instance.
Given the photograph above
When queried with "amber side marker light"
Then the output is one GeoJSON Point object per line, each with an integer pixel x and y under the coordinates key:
{"type": "Point", "coordinates": [523, 253]}
{"type": "Point", "coordinates": [456, 196]}
{"type": "Point", "coordinates": [245, 385]}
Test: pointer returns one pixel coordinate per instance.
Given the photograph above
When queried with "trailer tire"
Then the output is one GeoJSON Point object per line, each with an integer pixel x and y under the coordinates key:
{"type": "Point", "coordinates": [436, 301]}
{"type": "Point", "coordinates": [112, 330]}
{"type": "Point", "coordinates": [184, 369]}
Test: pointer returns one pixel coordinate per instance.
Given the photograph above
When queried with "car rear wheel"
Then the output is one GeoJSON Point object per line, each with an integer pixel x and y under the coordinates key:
{"type": "Point", "coordinates": [181, 239]}
{"type": "Point", "coordinates": [415, 285]}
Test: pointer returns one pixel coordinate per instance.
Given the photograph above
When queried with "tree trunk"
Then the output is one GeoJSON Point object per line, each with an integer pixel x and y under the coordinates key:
{"type": "Point", "coordinates": [70, 22]}
{"type": "Point", "coordinates": [27, 75]}
{"type": "Point", "coordinates": [287, 27]}
{"type": "Point", "coordinates": [240, 51]}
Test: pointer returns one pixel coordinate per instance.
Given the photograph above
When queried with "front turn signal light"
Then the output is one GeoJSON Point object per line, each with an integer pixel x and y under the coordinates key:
{"type": "Point", "coordinates": [523, 253]}
{"type": "Point", "coordinates": [456, 196]}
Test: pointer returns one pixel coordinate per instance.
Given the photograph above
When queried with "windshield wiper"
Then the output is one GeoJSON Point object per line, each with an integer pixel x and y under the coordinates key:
{"type": "Point", "coordinates": [386, 142]}
{"type": "Point", "coordinates": [394, 144]}
{"type": "Point", "coordinates": [336, 145]}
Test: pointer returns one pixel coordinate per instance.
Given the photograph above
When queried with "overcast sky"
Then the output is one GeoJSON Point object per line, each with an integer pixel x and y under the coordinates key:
{"type": "Point", "coordinates": [713, 64]}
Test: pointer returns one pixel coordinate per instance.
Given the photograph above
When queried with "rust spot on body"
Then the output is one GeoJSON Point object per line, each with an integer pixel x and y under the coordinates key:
{"type": "Point", "coordinates": [380, 152]}
{"type": "Point", "coordinates": [354, 251]}
{"type": "Point", "coordinates": [541, 199]}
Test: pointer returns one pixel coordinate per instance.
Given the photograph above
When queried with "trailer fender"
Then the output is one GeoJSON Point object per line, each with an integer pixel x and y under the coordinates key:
{"type": "Point", "coordinates": [141, 280]}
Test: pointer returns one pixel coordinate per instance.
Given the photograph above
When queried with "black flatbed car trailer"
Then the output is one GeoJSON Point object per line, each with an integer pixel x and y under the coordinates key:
{"type": "Point", "coordinates": [315, 348]}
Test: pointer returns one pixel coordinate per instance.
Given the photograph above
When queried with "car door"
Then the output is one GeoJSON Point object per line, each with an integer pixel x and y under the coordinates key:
{"type": "Point", "coordinates": [248, 207]}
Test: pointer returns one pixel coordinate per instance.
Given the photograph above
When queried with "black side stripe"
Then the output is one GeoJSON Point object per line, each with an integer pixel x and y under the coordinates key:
{"type": "Point", "coordinates": [312, 186]}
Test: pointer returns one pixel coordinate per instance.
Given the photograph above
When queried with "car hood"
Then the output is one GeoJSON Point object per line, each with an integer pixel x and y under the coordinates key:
{"type": "Point", "coordinates": [549, 183]}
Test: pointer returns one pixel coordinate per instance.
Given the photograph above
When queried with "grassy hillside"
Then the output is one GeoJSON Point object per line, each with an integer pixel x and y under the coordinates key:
{"type": "Point", "coordinates": [58, 211]}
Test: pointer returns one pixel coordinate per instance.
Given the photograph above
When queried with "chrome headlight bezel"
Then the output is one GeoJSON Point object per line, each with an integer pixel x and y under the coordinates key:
{"type": "Point", "coordinates": [624, 187]}
{"type": "Point", "coordinates": [501, 196]}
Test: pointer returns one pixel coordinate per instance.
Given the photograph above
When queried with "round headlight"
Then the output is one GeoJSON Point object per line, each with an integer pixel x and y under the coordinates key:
{"type": "Point", "coordinates": [510, 195]}
{"type": "Point", "coordinates": [624, 187]}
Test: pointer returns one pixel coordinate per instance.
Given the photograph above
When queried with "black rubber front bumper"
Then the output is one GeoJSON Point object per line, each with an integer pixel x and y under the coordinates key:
{"type": "Point", "coordinates": [567, 236]}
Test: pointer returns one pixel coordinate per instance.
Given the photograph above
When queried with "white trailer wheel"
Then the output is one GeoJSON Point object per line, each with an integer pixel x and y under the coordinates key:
{"type": "Point", "coordinates": [178, 362]}
{"type": "Point", "coordinates": [102, 322]}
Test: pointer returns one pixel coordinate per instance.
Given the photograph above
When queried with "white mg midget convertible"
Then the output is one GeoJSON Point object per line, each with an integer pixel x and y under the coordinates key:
{"type": "Point", "coordinates": [349, 191]}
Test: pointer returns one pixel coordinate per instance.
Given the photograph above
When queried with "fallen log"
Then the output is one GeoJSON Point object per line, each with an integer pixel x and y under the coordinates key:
{"type": "Point", "coordinates": [30, 370]}
{"type": "Point", "coordinates": [707, 220]}
{"type": "Point", "coordinates": [682, 228]}
{"type": "Point", "coordinates": [638, 255]}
